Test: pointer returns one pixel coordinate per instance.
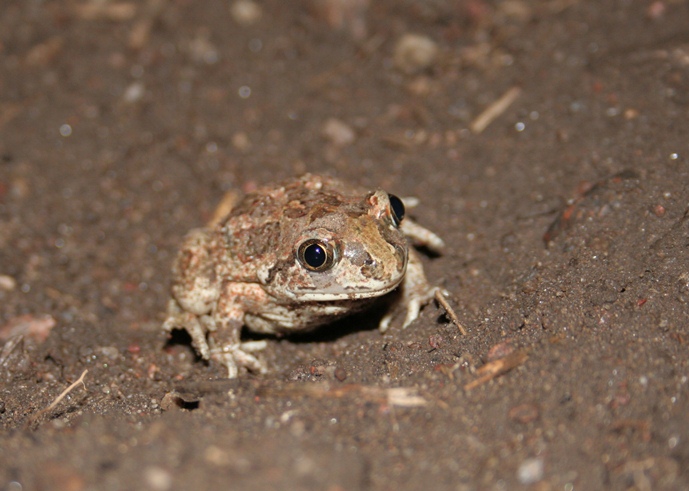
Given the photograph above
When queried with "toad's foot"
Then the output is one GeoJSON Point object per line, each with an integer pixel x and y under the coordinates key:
{"type": "Point", "coordinates": [236, 355]}
{"type": "Point", "coordinates": [414, 293]}
{"type": "Point", "coordinates": [413, 306]}
{"type": "Point", "coordinates": [193, 324]}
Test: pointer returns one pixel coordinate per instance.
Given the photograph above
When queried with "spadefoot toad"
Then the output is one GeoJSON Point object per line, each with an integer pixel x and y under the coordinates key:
{"type": "Point", "coordinates": [293, 256]}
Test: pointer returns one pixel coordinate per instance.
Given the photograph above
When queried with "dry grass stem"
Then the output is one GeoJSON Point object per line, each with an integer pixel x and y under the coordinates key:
{"type": "Point", "coordinates": [9, 347]}
{"type": "Point", "coordinates": [57, 400]}
{"type": "Point", "coordinates": [494, 110]}
{"type": "Point", "coordinates": [140, 34]}
{"type": "Point", "coordinates": [395, 396]}
{"type": "Point", "coordinates": [227, 203]}
{"type": "Point", "coordinates": [494, 369]}
{"type": "Point", "coordinates": [440, 298]}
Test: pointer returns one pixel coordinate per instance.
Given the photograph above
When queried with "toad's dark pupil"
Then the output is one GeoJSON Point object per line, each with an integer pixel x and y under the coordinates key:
{"type": "Point", "coordinates": [315, 255]}
{"type": "Point", "coordinates": [397, 208]}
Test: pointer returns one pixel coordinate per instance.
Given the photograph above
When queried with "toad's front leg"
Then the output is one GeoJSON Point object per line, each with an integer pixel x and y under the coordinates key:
{"type": "Point", "coordinates": [415, 291]}
{"type": "Point", "coordinates": [224, 327]}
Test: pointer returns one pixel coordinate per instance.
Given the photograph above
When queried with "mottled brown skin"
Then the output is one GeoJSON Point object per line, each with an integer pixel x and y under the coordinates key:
{"type": "Point", "coordinates": [252, 269]}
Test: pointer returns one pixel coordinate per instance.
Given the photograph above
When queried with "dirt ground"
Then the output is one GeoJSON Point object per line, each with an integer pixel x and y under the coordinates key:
{"type": "Point", "coordinates": [566, 217]}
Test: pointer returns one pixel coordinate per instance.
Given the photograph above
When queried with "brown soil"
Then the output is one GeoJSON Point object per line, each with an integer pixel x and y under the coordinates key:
{"type": "Point", "coordinates": [566, 219]}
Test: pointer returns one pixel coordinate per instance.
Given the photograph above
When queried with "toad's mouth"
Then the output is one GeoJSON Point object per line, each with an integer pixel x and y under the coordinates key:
{"type": "Point", "coordinates": [329, 293]}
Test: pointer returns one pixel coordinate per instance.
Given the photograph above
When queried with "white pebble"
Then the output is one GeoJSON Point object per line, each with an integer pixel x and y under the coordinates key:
{"type": "Point", "coordinates": [7, 283]}
{"type": "Point", "coordinates": [414, 53]}
{"type": "Point", "coordinates": [134, 92]}
{"type": "Point", "coordinates": [530, 471]}
{"type": "Point", "coordinates": [246, 12]}
{"type": "Point", "coordinates": [157, 478]}
{"type": "Point", "coordinates": [110, 352]}
{"type": "Point", "coordinates": [338, 132]}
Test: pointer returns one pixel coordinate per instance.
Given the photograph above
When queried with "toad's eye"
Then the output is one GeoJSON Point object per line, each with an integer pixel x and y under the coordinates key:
{"type": "Point", "coordinates": [397, 209]}
{"type": "Point", "coordinates": [316, 255]}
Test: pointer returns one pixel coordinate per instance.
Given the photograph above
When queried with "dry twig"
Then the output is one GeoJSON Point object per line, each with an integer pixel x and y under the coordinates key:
{"type": "Point", "coordinates": [57, 400]}
{"type": "Point", "coordinates": [495, 109]}
{"type": "Point", "coordinates": [395, 396]}
{"type": "Point", "coordinates": [226, 205]}
{"type": "Point", "coordinates": [9, 346]}
{"type": "Point", "coordinates": [440, 298]}
{"type": "Point", "coordinates": [141, 31]}
{"type": "Point", "coordinates": [494, 369]}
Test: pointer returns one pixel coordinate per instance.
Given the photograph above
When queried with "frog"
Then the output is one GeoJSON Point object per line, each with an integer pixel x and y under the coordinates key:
{"type": "Point", "coordinates": [294, 256]}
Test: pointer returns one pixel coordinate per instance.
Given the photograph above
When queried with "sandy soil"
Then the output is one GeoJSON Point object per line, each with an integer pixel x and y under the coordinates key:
{"type": "Point", "coordinates": [122, 125]}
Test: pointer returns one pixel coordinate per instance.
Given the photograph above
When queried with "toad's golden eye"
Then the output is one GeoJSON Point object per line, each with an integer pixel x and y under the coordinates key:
{"type": "Point", "coordinates": [397, 208]}
{"type": "Point", "coordinates": [316, 255]}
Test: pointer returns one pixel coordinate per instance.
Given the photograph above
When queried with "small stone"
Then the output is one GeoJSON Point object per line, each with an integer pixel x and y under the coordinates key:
{"type": "Point", "coordinates": [241, 141]}
{"type": "Point", "coordinates": [110, 352]}
{"type": "Point", "coordinates": [435, 341]}
{"type": "Point", "coordinates": [134, 92]}
{"type": "Point", "coordinates": [246, 12]}
{"type": "Point", "coordinates": [216, 456]}
{"type": "Point", "coordinates": [414, 53]}
{"type": "Point", "coordinates": [170, 400]}
{"type": "Point", "coordinates": [203, 50]}
{"type": "Point", "coordinates": [157, 478]}
{"type": "Point", "coordinates": [530, 471]}
{"type": "Point", "coordinates": [338, 132]}
{"type": "Point", "coordinates": [420, 86]}
{"type": "Point", "coordinates": [7, 283]}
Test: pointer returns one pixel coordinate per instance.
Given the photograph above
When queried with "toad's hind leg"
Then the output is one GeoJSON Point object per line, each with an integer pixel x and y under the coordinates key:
{"type": "Point", "coordinates": [234, 355]}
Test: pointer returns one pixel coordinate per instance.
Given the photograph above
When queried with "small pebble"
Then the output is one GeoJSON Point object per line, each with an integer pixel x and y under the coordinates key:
{"type": "Point", "coordinates": [414, 53]}
{"type": "Point", "coordinates": [157, 478]}
{"type": "Point", "coordinates": [246, 12]}
{"type": "Point", "coordinates": [7, 283]}
{"type": "Point", "coordinates": [338, 132]}
{"type": "Point", "coordinates": [241, 141]}
{"type": "Point", "coordinates": [134, 92]}
{"type": "Point", "coordinates": [530, 471]}
{"type": "Point", "coordinates": [110, 352]}
{"type": "Point", "coordinates": [216, 456]}
{"type": "Point", "coordinates": [203, 50]}
{"type": "Point", "coordinates": [435, 341]}
{"type": "Point", "coordinates": [171, 400]}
